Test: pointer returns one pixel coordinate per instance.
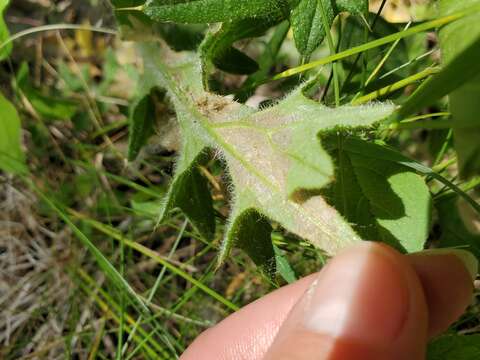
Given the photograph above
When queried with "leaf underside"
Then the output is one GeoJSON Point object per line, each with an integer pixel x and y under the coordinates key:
{"type": "Point", "coordinates": [272, 177]}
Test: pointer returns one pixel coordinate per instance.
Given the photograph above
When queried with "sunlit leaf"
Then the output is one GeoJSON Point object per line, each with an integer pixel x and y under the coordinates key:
{"type": "Point", "coordinates": [271, 175]}
{"type": "Point", "coordinates": [383, 199]}
{"type": "Point", "coordinates": [307, 23]}
{"type": "Point", "coordinates": [12, 158]}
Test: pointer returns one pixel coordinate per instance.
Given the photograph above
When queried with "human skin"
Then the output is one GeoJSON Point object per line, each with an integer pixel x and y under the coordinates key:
{"type": "Point", "coordinates": [370, 302]}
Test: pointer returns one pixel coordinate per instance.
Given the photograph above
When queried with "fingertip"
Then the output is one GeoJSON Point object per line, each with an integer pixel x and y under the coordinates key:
{"type": "Point", "coordinates": [447, 281]}
{"type": "Point", "coordinates": [366, 304]}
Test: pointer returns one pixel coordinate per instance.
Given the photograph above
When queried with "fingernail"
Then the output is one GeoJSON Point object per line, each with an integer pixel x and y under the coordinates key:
{"type": "Point", "coordinates": [361, 295]}
{"type": "Point", "coordinates": [466, 257]}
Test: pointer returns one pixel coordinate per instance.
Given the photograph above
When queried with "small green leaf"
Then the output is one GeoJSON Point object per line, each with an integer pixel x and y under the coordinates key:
{"type": "Point", "coordinates": [4, 33]}
{"type": "Point", "coordinates": [147, 208]}
{"type": "Point", "coordinates": [189, 192]}
{"type": "Point", "coordinates": [308, 29]}
{"type": "Point", "coordinates": [49, 107]}
{"type": "Point", "coordinates": [218, 49]}
{"type": "Point", "coordinates": [454, 347]}
{"type": "Point", "coordinates": [283, 266]}
{"type": "Point", "coordinates": [247, 225]}
{"type": "Point", "coordinates": [12, 158]}
{"type": "Point", "coordinates": [210, 11]}
{"type": "Point", "coordinates": [385, 200]}
{"type": "Point", "coordinates": [307, 24]}
{"type": "Point", "coordinates": [142, 120]}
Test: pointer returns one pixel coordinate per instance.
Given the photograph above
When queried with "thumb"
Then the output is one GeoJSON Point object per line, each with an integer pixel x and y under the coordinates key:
{"type": "Point", "coordinates": [367, 303]}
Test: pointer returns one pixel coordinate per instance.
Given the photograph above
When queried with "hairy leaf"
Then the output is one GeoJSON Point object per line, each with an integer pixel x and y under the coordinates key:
{"type": "Point", "coordinates": [383, 199]}
{"type": "Point", "coordinates": [210, 11]}
{"type": "Point", "coordinates": [12, 158]}
{"type": "Point", "coordinates": [141, 125]}
{"type": "Point", "coordinates": [261, 152]}
{"type": "Point", "coordinates": [455, 347]}
{"type": "Point", "coordinates": [248, 224]}
{"type": "Point", "coordinates": [307, 23]}
{"type": "Point", "coordinates": [4, 33]}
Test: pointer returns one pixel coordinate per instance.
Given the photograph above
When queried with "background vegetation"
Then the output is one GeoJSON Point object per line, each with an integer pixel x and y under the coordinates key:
{"type": "Point", "coordinates": [94, 263]}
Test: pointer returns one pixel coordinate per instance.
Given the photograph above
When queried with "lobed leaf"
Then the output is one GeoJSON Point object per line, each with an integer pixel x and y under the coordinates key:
{"type": "Point", "coordinates": [267, 167]}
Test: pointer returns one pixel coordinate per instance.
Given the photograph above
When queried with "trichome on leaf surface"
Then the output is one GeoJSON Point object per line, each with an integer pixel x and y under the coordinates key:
{"type": "Point", "coordinates": [323, 173]}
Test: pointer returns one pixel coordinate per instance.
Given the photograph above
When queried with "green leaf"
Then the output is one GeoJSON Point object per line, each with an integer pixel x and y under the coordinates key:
{"type": "Point", "coordinates": [259, 150]}
{"type": "Point", "coordinates": [249, 224]}
{"type": "Point", "coordinates": [382, 152]}
{"type": "Point", "coordinates": [4, 33]}
{"type": "Point", "coordinates": [137, 26]}
{"type": "Point", "coordinates": [142, 119]}
{"type": "Point", "coordinates": [307, 24]}
{"type": "Point", "coordinates": [217, 47]}
{"type": "Point", "coordinates": [384, 200]}
{"type": "Point", "coordinates": [49, 107]}
{"type": "Point", "coordinates": [146, 208]}
{"type": "Point", "coordinates": [210, 11]}
{"type": "Point", "coordinates": [283, 266]}
{"type": "Point", "coordinates": [455, 347]}
{"type": "Point", "coordinates": [189, 192]}
{"type": "Point", "coordinates": [12, 158]}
